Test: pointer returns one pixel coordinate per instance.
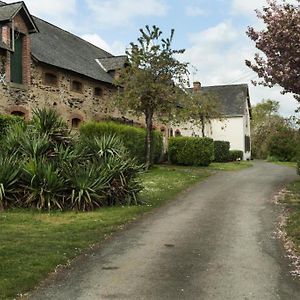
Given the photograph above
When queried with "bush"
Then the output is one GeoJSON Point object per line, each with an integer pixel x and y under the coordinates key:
{"type": "Point", "coordinates": [44, 167]}
{"type": "Point", "coordinates": [221, 151]}
{"type": "Point", "coordinates": [6, 121]}
{"type": "Point", "coordinates": [235, 155]}
{"type": "Point", "coordinates": [191, 151]}
{"type": "Point", "coordinates": [283, 145]}
{"type": "Point", "coordinates": [134, 138]}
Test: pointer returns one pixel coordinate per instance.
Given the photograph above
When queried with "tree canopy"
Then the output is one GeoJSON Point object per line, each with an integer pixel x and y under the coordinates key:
{"type": "Point", "coordinates": [153, 80]}
{"type": "Point", "coordinates": [280, 43]}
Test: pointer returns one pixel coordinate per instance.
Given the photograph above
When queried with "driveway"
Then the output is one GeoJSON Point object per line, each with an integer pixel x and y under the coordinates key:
{"type": "Point", "coordinates": [215, 241]}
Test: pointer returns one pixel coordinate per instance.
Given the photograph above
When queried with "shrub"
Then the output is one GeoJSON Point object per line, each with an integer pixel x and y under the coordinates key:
{"type": "Point", "coordinates": [283, 144]}
{"type": "Point", "coordinates": [236, 155]}
{"type": "Point", "coordinates": [191, 151]}
{"type": "Point", "coordinates": [6, 121]}
{"type": "Point", "coordinates": [221, 151]}
{"type": "Point", "coordinates": [133, 137]}
{"type": "Point", "coordinates": [42, 166]}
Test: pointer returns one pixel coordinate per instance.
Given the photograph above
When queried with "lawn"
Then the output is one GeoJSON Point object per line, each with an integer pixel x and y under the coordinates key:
{"type": "Point", "coordinates": [32, 244]}
{"type": "Point", "coordinates": [230, 166]}
{"type": "Point", "coordinates": [292, 201]}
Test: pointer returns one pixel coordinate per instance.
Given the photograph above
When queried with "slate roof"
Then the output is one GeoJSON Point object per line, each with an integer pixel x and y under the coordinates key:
{"type": "Point", "coordinates": [113, 63]}
{"type": "Point", "coordinates": [233, 98]}
{"type": "Point", "coordinates": [8, 11]}
{"type": "Point", "coordinates": [57, 47]}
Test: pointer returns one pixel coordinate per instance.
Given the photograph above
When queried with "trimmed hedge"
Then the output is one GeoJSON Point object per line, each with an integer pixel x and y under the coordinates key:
{"type": "Point", "coordinates": [222, 151]}
{"type": "Point", "coordinates": [191, 151]}
{"type": "Point", "coordinates": [134, 138]}
{"type": "Point", "coordinates": [6, 121]}
{"type": "Point", "coordinates": [236, 155]}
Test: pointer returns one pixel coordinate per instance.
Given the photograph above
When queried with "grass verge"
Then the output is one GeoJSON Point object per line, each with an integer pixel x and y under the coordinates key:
{"type": "Point", "coordinates": [230, 166]}
{"type": "Point", "coordinates": [292, 203]}
{"type": "Point", "coordinates": [32, 244]}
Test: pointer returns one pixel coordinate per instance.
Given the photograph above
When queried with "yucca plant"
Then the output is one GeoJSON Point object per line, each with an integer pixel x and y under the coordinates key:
{"type": "Point", "coordinates": [125, 184]}
{"type": "Point", "coordinates": [9, 179]}
{"type": "Point", "coordinates": [34, 146]}
{"type": "Point", "coordinates": [44, 185]}
{"type": "Point", "coordinates": [88, 185]}
{"type": "Point", "coordinates": [102, 148]}
{"type": "Point", "coordinates": [48, 122]}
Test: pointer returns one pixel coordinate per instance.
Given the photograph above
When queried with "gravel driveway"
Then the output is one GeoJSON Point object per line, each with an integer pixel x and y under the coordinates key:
{"type": "Point", "coordinates": [215, 241]}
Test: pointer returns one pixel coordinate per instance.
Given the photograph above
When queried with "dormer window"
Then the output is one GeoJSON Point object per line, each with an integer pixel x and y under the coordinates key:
{"type": "Point", "coordinates": [50, 79]}
{"type": "Point", "coordinates": [76, 86]}
{"type": "Point", "coordinates": [98, 92]}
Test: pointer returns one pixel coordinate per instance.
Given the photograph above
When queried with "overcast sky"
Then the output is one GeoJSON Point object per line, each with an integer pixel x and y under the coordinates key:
{"type": "Point", "coordinates": [212, 32]}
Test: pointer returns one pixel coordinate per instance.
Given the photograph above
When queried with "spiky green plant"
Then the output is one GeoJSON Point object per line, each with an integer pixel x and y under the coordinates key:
{"type": "Point", "coordinates": [9, 178]}
{"type": "Point", "coordinates": [48, 122]}
{"type": "Point", "coordinates": [44, 185]}
{"type": "Point", "coordinates": [88, 184]}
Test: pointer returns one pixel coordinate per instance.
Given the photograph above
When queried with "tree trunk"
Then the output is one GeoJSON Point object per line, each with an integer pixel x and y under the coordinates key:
{"type": "Point", "coordinates": [202, 120]}
{"type": "Point", "coordinates": [149, 123]}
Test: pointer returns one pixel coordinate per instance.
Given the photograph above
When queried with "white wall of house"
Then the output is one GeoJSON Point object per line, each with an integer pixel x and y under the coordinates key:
{"type": "Point", "coordinates": [231, 129]}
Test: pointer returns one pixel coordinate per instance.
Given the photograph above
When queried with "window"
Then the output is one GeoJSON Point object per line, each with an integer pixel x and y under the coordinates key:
{"type": "Point", "coordinates": [76, 122]}
{"type": "Point", "coordinates": [18, 113]}
{"type": "Point", "coordinates": [50, 79]}
{"type": "Point", "coordinates": [76, 86]}
{"type": "Point", "coordinates": [98, 92]}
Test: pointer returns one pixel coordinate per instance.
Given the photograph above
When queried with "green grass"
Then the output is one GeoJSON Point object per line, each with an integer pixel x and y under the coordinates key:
{"type": "Point", "coordinates": [32, 244]}
{"type": "Point", "coordinates": [285, 163]}
{"type": "Point", "coordinates": [230, 166]}
{"type": "Point", "coordinates": [292, 201]}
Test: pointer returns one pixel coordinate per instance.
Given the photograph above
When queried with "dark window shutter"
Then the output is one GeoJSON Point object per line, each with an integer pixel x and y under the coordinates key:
{"type": "Point", "coordinates": [16, 63]}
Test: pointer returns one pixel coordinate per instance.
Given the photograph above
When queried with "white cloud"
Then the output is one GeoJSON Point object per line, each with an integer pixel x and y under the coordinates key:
{"type": "Point", "coordinates": [221, 33]}
{"type": "Point", "coordinates": [96, 40]}
{"type": "Point", "coordinates": [218, 54]}
{"type": "Point", "coordinates": [246, 7]}
{"type": "Point", "coordinates": [121, 12]}
{"type": "Point", "coordinates": [194, 11]}
{"type": "Point", "coordinates": [50, 7]}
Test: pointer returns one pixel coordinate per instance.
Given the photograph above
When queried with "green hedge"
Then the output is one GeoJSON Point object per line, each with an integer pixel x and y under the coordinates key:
{"type": "Point", "coordinates": [6, 121]}
{"type": "Point", "coordinates": [222, 151]}
{"type": "Point", "coordinates": [191, 151]}
{"type": "Point", "coordinates": [134, 138]}
{"type": "Point", "coordinates": [236, 155]}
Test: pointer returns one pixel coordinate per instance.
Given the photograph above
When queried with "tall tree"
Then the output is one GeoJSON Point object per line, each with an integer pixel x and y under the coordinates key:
{"type": "Point", "coordinates": [153, 80]}
{"type": "Point", "coordinates": [280, 44]}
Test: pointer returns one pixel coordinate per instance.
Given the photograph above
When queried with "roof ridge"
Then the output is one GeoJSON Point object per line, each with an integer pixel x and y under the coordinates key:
{"type": "Point", "coordinates": [74, 35]}
{"type": "Point", "coordinates": [7, 4]}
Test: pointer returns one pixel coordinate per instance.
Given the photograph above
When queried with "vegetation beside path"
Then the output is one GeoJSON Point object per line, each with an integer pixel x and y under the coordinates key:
{"type": "Point", "coordinates": [32, 244]}
{"type": "Point", "coordinates": [292, 203]}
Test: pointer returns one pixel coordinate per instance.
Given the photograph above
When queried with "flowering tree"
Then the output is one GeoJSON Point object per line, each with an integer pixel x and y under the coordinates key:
{"type": "Point", "coordinates": [280, 44]}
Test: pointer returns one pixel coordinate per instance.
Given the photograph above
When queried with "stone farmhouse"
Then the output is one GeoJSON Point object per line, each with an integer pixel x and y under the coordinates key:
{"type": "Point", "coordinates": [234, 126]}
{"type": "Point", "coordinates": [43, 65]}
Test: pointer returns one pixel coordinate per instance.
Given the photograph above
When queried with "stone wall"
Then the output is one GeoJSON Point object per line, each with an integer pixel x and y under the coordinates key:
{"type": "Point", "coordinates": [84, 105]}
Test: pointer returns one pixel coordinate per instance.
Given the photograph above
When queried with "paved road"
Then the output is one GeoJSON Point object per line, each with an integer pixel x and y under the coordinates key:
{"type": "Point", "coordinates": [214, 242]}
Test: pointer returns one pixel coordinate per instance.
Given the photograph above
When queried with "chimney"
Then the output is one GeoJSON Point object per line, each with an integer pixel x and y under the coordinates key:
{"type": "Point", "coordinates": [196, 86]}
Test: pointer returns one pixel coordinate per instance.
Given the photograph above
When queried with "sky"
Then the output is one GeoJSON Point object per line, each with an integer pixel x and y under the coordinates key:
{"type": "Point", "coordinates": [211, 32]}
